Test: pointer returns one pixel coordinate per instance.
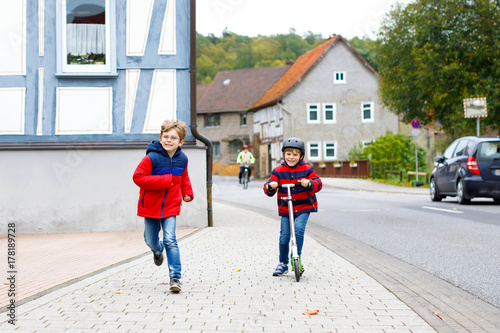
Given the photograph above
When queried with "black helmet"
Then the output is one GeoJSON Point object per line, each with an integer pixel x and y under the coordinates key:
{"type": "Point", "coordinates": [295, 143]}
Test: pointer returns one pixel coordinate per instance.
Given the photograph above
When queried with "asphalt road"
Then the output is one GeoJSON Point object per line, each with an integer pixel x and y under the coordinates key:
{"type": "Point", "coordinates": [456, 243]}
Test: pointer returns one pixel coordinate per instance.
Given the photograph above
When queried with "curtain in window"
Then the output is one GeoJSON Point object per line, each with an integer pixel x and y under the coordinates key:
{"type": "Point", "coordinates": [84, 39]}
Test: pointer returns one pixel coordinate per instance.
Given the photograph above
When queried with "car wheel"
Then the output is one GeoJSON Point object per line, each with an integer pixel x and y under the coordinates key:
{"type": "Point", "coordinates": [460, 193]}
{"type": "Point", "coordinates": [496, 200]}
{"type": "Point", "coordinates": [434, 191]}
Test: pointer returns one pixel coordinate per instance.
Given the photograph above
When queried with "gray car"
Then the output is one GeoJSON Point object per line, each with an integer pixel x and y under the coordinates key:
{"type": "Point", "coordinates": [469, 168]}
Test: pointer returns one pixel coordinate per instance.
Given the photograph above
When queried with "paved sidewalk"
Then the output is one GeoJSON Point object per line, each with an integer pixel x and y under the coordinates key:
{"type": "Point", "coordinates": [228, 287]}
{"type": "Point", "coordinates": [44, 261]}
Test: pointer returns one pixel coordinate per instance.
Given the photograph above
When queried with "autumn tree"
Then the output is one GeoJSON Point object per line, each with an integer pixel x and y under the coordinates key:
{"type": "Point", "coordinates": [434, 53]}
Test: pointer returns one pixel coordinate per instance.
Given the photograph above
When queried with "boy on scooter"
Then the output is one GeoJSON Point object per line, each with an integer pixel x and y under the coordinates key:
{"type": "Point", "coordinates": [293, 170]}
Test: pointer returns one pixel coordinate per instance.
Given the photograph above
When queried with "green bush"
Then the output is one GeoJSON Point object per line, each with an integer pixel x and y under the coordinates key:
{"type": "Point", "coordinates": [390, 152]}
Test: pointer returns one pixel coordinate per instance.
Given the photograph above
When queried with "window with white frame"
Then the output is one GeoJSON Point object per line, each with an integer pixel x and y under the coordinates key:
{"type": "Point", "coordinates": [339, 78]}
{"type": "Point", "coordinates": [330, 150]}
{"type": "Point", "coordinates": [86, 37]}
{"type": "Point", "coordinates": [314, 151]}
{"type": "Point", "coordinates": [366, 143]}
{"type": "Point", "coordinates": [329, 113]}
{"type": "Point", "coordinates": [367, 111]}
{"type": "Point", "coordinates": [313, 114]}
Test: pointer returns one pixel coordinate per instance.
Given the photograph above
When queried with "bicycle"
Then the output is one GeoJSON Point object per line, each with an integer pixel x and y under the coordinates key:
{"type": "Point", "coordinates": [245, 176]}
{"type": "Point", "coordinates": [296, 265]}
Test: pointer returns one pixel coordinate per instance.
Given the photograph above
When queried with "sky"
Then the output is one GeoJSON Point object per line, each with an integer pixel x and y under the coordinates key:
{"type": "Point", "coordinates": [349, 18]}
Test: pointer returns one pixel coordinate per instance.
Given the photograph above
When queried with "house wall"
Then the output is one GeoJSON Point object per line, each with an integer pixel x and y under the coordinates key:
{"type": "Point", "coordinates": [268, 126]}
{"type": "Point", "coordinates": [318, 87]}
{"type": "Point", "coordinates": [229, 130]}
{"type": "Point", "coordinates": [85, 189]}
{"type": "Point", "coordinates": [150, 82]}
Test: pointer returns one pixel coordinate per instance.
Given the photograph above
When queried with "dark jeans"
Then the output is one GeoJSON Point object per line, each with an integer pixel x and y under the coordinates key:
{"type": "Point", "coordinates": [242, 170]}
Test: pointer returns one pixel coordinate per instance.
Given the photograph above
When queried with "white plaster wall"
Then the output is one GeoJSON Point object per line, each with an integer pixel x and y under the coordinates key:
{"type": "Point", "coordinates": [84, 190]}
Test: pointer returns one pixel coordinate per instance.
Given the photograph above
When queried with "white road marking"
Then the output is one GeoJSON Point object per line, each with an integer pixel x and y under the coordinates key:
{"type": "Point", "coordinates": [443, 210]}
{"type": "Point", "coordinates": [360, 210]}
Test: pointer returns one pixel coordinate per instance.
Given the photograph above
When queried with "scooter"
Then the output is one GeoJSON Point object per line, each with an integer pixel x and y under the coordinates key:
{"type": "Point", "coordinates": [296, 265]}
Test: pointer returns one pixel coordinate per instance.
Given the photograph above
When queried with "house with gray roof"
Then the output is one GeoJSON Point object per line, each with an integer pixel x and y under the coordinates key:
{"type": "Point", "coordinates": [222, 109]}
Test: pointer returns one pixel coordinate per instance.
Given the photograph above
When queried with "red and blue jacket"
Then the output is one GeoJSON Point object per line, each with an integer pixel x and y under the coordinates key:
{"type": "Point", "coordinates": [163, 182]}
{"type": "Point", "coordinates": [304, 198]}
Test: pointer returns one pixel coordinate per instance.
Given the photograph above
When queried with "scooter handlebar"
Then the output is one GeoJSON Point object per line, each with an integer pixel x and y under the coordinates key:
{"type": "Point", "coordinates": [298, 184]}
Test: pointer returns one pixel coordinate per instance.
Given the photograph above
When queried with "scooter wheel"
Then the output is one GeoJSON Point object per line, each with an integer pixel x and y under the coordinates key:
{"type": "Point", "coordinates": [296, 269]}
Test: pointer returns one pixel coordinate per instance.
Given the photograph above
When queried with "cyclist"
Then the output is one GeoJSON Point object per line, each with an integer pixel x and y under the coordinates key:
{"type": "Point", "coordinates": [245, 157]}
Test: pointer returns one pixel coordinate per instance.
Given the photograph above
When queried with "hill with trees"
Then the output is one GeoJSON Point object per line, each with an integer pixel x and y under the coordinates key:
{"type": "Point", "coordinates": [232, 51]}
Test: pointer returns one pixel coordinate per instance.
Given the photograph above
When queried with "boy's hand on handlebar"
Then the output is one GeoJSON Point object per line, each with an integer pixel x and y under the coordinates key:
{"type": "Point", "coordinates": [305, 182]}
{"type": "Point", "coordinates": [273, 185]}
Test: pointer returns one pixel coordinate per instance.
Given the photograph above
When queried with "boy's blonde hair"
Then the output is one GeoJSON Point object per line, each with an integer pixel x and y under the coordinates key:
{"type": "Point", "coordinates": [178, 125]}
{"type": "Point", "coordinates": [293, 150]}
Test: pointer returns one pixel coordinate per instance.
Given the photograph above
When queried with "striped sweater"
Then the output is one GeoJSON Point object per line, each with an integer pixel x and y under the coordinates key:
{"type": "Point", "coordinates": [304, 198]}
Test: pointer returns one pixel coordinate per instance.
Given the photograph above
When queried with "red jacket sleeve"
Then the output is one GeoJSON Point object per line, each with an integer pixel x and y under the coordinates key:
{"type": "Point", "coordinates": [186, 188]}
{"type": "Point", "coordinates": [145, 180]}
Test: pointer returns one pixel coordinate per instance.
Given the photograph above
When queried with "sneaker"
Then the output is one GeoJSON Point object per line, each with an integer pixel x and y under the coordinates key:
{"type": "Point", "coordinates": [281, 269]}
{"type": "Point", "coordinates": [175, 285]}
{"type": "Point", "coordinates": [158, 259]}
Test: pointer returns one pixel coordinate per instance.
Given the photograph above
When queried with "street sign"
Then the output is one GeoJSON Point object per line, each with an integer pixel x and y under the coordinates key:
{"type": "Point", "coordinates": [475, 107]}
{"type": "Point", "coordinates": [415, 132]}
{"type": "Point", "coordinates": [415, 123]}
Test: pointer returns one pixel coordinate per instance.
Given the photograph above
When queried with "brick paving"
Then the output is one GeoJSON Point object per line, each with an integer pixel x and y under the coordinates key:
{"type": "Point", "coordinates": [228, 287]}
{"type": "Point", "coordinates": [44, 261]}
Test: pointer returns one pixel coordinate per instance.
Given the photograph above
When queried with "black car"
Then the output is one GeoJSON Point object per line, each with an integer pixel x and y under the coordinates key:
{"type": "Point", "coordinates": [469, 168]}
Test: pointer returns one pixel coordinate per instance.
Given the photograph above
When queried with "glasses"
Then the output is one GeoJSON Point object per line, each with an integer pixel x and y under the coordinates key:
{"type": "Point", "coordinates": [172, 138]}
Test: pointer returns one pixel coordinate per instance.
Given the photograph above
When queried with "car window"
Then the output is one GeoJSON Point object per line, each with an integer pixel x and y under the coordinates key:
{"type": "Point", "coordinates": [461, 148]}
{"type": "Point", "coordinates": [448, 153]}
{"type": "Point", "coordinates": [489, 150]}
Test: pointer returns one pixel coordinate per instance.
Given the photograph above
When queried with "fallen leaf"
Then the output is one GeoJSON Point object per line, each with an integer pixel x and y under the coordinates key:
{"type": "Point", "coordinates": [312, 312]}
{"type": "Point", "coordinates": [165, 283]}
{"type": "Point", "coordinates": [438, 315]}
{"type": "Point", "coordinates": [119, 292]}
{"type": "Point", "coordinates": [354, 277]}
{"type": "Point", "coordinates": [6, 283]}
{"type": "Point", "coordinates": [238, 269]}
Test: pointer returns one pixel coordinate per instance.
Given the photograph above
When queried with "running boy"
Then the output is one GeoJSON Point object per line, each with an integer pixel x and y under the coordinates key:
{"type": "Point", "coordinates": [163, 178]}
{"type": "Point", "coordinates": [293, 170]}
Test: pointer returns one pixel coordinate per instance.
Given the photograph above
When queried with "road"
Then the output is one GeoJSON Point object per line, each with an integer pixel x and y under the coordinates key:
{"type": "Point", "coordinates": [459, 244]}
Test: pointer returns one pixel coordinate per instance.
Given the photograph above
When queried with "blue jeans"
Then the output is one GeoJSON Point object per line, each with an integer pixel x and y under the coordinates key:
{"type": "Point", "coordinates": [151, 230]}
{"type": "Point", "coordinates": [300, 228]}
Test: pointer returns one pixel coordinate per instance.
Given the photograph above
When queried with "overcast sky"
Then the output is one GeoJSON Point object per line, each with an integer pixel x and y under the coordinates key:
{"type": "Point", "coordinates": [348, 18]}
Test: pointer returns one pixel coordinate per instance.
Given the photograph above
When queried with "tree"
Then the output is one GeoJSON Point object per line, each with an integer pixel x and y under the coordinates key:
{"type": "Point", "coordinates": [434, 53]}
{"type": "Point", "coordinates": [366, 48]}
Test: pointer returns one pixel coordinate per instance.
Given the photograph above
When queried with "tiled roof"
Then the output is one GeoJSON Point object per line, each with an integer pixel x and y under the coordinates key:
{"type": "Point", "coordinates": [238, 90]}
{"type": "Point", "coordinates": [201, 89]}
{"type": "Point", "coordinates": [299, 70]}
